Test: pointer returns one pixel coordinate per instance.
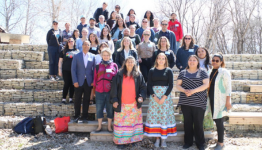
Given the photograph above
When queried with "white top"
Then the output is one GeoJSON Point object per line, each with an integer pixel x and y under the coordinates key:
{"type": "Point", "coordinates": [126, 53]}
{"type": "Point", "coordinates": [110, 44]}
{"type": "Point", "coordinates": [98, 59]}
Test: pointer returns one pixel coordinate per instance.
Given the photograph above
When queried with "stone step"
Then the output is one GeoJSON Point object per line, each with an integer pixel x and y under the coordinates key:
{"type": "Point", "coordinates": [244, 85]}
{"type": "Point", "coordinates": [22, 55]}
{"type": "Point", "coordinates": [92, 126]}
{"type": "Point", "coordinates": [243, 57]}
{"type": "Point", "coordinates": [244, 65]}
{"type": "Point", "coordinates": [37, 65]}
{"type": "Point", "coordinates": [25, 73]}
{"type": "Point", "coordinates": [36, 48]}
{"type": "Point", "coordinates": [106, 136]}
{"type": "Point", "coordinates": [11, 64]}
{"type": "Point", "coordinates": [245, 118]}
{"type": "Point", "coordinates": [246, 108]}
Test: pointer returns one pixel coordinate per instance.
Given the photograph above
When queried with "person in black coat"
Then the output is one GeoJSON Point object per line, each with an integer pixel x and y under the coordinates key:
{"type": "Point", "coordinates": [54, 41]}
{"type": "Point", "coordinates": [124, 51]}
{"type": "Point", "coordinates": [101, 11]}
{"type": "Point", "coordinates": [150, 17]}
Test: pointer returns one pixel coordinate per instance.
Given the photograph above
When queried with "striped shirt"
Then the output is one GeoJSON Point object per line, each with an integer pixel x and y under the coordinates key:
{"type": "Point", "coordinates": [198, 99]}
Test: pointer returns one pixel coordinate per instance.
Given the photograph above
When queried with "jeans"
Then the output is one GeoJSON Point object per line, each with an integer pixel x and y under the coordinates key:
{"type": "Point", "coordinates": [53, 54]}
{"type": "Point", "coordinates": [103, 99]}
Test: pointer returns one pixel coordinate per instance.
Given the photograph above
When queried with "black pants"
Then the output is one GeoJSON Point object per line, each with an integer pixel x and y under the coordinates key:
{"type": "Point", "coordinates": [193, 125]}
{"type": "Point", "coordinates": [68, 84]}
{"type": "Point", "coordinates": [145, 66]}
{"type": "Point", "coordinates": [86, 99]}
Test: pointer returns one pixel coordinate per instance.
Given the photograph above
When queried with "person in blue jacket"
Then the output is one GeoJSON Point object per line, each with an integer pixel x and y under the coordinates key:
{"type": "Point", "coordinates": [144, 26]}
{"type": "Point", "coordinates": [187, 49]}
{"type": "Point", "coordinates": [170, 35]}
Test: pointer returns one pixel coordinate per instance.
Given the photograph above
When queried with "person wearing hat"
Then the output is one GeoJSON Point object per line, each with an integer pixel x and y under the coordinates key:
{"type": "Point", "coordinates": [101, 11]}
{"type": "Point", "coordinates": [82, 25]}
{"type": "Point", "coordinates": [54, 41]}
{"type": "Point", "coordinates": [92, 28]}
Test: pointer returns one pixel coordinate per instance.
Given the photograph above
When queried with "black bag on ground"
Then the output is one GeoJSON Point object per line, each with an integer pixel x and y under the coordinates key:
{"type": "Point", "coordinates": [38, 124]}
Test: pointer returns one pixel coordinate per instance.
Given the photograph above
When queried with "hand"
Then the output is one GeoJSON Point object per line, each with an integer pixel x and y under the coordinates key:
{"type": "Point", "coordinates": [156, 99]}
{"type": "Point", "coordinates": [60, 73]}
{"type": "Point", "coordinates": [92, 95]}
{"type": "Point", "coordinates": [140, 99]}
{"type": "Point", "coordinates": [140, 60]}
{"type": "Point", "coordinates": [162, 100]}
{"type": "Point", "coordinates": [115, 40]}
{"type": "Point", "coordinates": [115, 104]}
{"type": "Point", "coordinates": [186, 92]}
{"type": "Point", "coordinates": [229, 106]}
{"type": "Point", "coordinates": [76, 85]}
{"type": "Point", "coordinates": [190, 92]}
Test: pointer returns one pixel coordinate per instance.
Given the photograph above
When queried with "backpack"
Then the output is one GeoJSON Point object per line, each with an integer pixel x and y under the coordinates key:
{"type": "Point", "coordinates": [25, 126]}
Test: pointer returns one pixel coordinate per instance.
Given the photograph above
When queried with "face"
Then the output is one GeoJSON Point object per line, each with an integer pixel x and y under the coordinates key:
{"type": "Point", "coordinates": [201, 53]}
{"type": "Point", "coordinates": [83, 20]}
{"type": "Point", "coordinates": [163, 42]}
{"type": "Point", "coordinates": [161, 60]}
{"type": "Point", "coordinates": [84, 33]}
{"type": "Point", "coordinates": [216, 63]}
{"type": "Point", "coordinates": [71, 42]}
{"type": "Point", "coordinates": [67, 26]}
{"type": "Point", "coordinates": [132, 18]}
{"type": "Point", "coordinates": [120, 23]}
{"type": "Point", "coordinates": [126, 32]}
{"type": "Point", "coordinates": [102, 46]}
{"type": "Point", "coordinates": [92, 22]}
{"type": "Point", "coordinates": [146, 35]}
{"type": "Point", "coordinates": [55, 25]}
{"type": "Point", "coordinates": [173, 16]}
{"type": "Point", "coordinates": [105, 31]}
{"type": "Point", "coordinates": [114, 15]}
{"type": "Point", "coordinates": [130, 63]}
{"type": "Point", "coordinates": [192, 62]}
{"type": "Point", "coordinates": [188, 39]}
{"type": "Point", "coordinates": [101, 19]}
{"type": "Point", "coordinates": [132, 12]}
{"type": "Point", "coordinates": [104, 6]}
{"type": "Point", "coordinates": [76, 33]}
{"type": "Point", "coordinates": [105, 56]}
{"type": "Point", "coordinates": [144, 23]}
{"type": "Point", "coordinates": [126, 43]}
{"type": "Point", "coordinates": [86, 46]}
{"type": "Point", "coordinates": [156, 22]}
{"type": "Point", "coordinates": [117, 8]}
{"type": "Point", "coordinates": [132, 29]}
{"type": "Point", "coordinates": [164, 24]}
{"type": "Point", "coordinates": [148, 14]}
{"type": "Point", "coordinates": [92, 38]}
{"type": "Point", "coordinates": [118, 16]}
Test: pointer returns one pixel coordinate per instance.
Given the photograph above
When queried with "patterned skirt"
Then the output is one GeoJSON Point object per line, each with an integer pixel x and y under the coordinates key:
{"type": "Point", "coordinates": [160, 121]}
{"type": "Point", "coordinates": [128, 124]}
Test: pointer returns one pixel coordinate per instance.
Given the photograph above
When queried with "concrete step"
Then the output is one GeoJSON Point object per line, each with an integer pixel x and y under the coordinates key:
{"type": "Point", "coordinates": [245, 118]}
{"type": "Point", "coordinates": [243, 57]}
{"type": "Point", "coordinates": [106, 136]}
{"type": "Point", "coordinates": [11, 64]}
{"type": "Point", "coordinates": [37, 65]}
{"type": "Point", "coordinates": [92, 126]}
{"type": "Point", "coordinates": [244, 65]}
{"type": "Point", "coordinates": [25, 73]}
{"type": "Point", "coordinates": [22, 55]}
{"type": "Point", "coordinates": [246, 108]}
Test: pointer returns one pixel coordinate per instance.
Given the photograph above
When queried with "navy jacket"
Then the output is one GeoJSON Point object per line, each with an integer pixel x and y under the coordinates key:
{"type": "Point", "coordinates": [171, 38]}
{"type": "Point", "coordinates": [98, 12]}
{"type": "Point", "coordinates": [80, 27]}
{"type": "Point", "coordinates": [51, 39]}
{"type": "Point", "coordinates": [182, 56]}
{"type": "Point", "coordinates": [141, 30]}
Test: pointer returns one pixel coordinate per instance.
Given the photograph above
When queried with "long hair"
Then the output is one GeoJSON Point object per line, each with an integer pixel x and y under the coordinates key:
{"type": "Point", "coordinates": [195, 56]}
{"type": "Point", "coordinates": [67, 47]}
{"type": "Point", "coordinates": [128, 14]}
{"type": "Point", "coordinates": [74, 33]}
{"type": "Point", "coordinates": [191, 45]}
{"type": "Point", "coordinates": [167, 42]}
{"type": "Point", "coordinates": [100, 46]}
{"type": "Point", "coordinates": [111, 15]}
{"type": "Point", "coordinates": [151, 15]}
{"type": "Point", "coordinates": [116, 26]}
{"type": "Point", "coordinates": [108, 35]}
{"type": "Point", "coordinates": [166, 63]}
{"type": "Point", "coordinates": [122, 44]}
{"type": "Point", "coordinates": [96, 39]}
{"type": "Point", "coordinates": [207, 61]}
{"type": "Point", "coordinates": [134, 73]}
{"type": "Point", "coordinates": [220, 56]}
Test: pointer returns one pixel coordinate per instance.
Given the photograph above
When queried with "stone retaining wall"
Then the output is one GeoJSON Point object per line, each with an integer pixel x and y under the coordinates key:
{"type": "Point", "coordinates": [246, 108]}
{"type": "Point", "coordinates": [37, 65]}
{"type": "Point", "coordinates": [243, 128]}
{"type": "Point", "coordinates": [38, 48]}
{"type": "Point", "coordinates": [22, 55]}
{"type": "Point", "coordinates": [9, 64]}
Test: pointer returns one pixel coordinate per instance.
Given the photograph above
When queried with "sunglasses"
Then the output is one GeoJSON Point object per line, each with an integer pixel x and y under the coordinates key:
{"type": "Point", "coordinates": [117, 7]}
{"type": "Point", "coordinates": [164, 24]}
{"type": "Point", "coordinates": [144, 21]}
{"type": "Point", "coordinates": [217, 61]}
{"type": "Point", "coordinates": [70, 41]}
{"type": "Point", "coordinates": [187, 38]}
{"type": "Point", "coordinates": [146, 34]}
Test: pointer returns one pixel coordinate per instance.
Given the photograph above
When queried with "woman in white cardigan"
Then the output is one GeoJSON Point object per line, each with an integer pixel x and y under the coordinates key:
{"type": "Point", "coordinates": [219, 94]}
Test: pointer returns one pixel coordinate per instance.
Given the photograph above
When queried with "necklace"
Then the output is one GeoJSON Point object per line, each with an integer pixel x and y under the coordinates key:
{"type": "Point", "coordinates": [211, 81]}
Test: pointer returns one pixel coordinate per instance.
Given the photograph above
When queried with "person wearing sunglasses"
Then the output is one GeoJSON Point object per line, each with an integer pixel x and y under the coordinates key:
{"type": "Point", "coordinates": [64, 65]}
{"type": "Point", "coordinates": [187, 49]}
{"type": "Point", "coordinates": [117, 9]}
{"type": "Point", "coordinates": [144, 26]}
{"type": "Point", "coordinates": [168, 34]}
{"type": "Point", "coordinates": [219, 94]}
{"type": "Point", "coordinates": [54, 41]}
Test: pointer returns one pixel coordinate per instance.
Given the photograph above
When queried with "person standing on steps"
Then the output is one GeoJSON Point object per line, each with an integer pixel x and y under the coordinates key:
{"type": "Point", "coordinates": [192, 83]}
{"type": "Point", "coordinates": [150, 17]}
{"type": "Point", "coordinates": [101, 11]}
{"type": "Point", "coordinates": [187, 49]}
{"type": "Point", "coordinates": [67, 33]}
{"type": "Point", "coordinates": [75, 35]}
{"type": "Point", "coordinates": [133, 36]}
{"type": "Point", "coordinates": [94, 43]}
{"type": "Point", "coordinates": [116, 32]}
{"type": "Point", "coordinates": [54, 41]}
{"type": "Point", "coordinates": [79, 41]}
{"type": "Point", "coordinates": [64, 65]}
{"type": "Point", "coordinates": [131, 11]}
{"type": "Point", "coordinates": [156, 27]}
{"type": "Point", "coordinates": [117, 9]}
{"type": "Point", "coordinates": [112, 20]}
{"type": "Point", "coordinates": [144, 26]}
{"type": "Point", "coordinates": [106, 37]}
{"type": "Point", "coordinates": [99, 55]}
{"type": "Point", "coordinates": [82, 25]}
{"type": "Point", "coordinates": [175, 26]}
{"type": "Point", "coordinates": [103, 76]}
{"type": "Point", "coordinates": [219, 94]}
{"type": "Point", "coordinates": [102, 24]}
{"type": "Point", "coordinates": [92, 28]}
{"type": "Point", "coordinates": [132, 22]}
{"type": "Point", "coordinates": [82, 70]}
{"type": "Point", "coordinates": [160, 121]}
{"type": "Point", "coordinates": [128, 91]}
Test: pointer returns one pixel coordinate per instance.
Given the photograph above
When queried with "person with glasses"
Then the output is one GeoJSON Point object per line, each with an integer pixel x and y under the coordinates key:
{"type": "Point", "coordinates": [99, 55]}
{"type": "Point", "coordinates": [64, 65]}
{"type": "Point", "coordinates": [132, 21]}
{"type": "Point", "coordinates": [117, 9]}
{"type": "Point", "coordinates": [168, 34]}
{"type": "Point", "coordinates": [79, 41]}
{"type": "Point", "coordinates": [101, 11]}
{"type": "Point", "coordinates": [54, 41]}
{"type": "Point", "coordinates": [131, 11]}
{"type": "Point", "coordinates": [175, 26]}
{"type": "Point", "coordinates": [133, 36]}
{"type": "Point", "coordinates": [145, 52]}
{"type": "Point", "coordinates": [67, 33]}
{"type": "Point", "coordinates": [156, 26]}
{"type": "Point", "coordinates": [150, 17]}
{"type": "Point", "coordinates": [192, 83]}
{"type": "Point", "coordinates": [102, 24]}
{"type": "Point", "coordinates": [144, 26]}
{"type": "Point", "coordinates": [82, 71]}
{"type": "Point", "coordinates": [219, 94]}
{"type": "Point", "coordinates": [106, 37]}
{"type": "Point", "coordinates": [164, 47]}
{"type": "Point", "coordinates": [187, 49]}
{"type": "Point", "coordinates": [112, 20]}
{"type": "Point", "coordinates": [82, 25]}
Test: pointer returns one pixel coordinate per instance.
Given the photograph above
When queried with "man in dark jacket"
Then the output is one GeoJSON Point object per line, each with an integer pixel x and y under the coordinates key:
{"type": "Point", "coordinates": [117, 9]}
{"type": "Point", "coordinates": [132, 19]}
{"type": "Point", "coordinates": [81, 25]}
{"type": "Point", "coordinates": [101, 11]}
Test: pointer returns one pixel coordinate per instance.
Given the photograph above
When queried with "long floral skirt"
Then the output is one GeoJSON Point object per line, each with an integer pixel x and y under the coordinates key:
{"type": "Point", "coordinates": [160, 121]}
{"type": "Point", "coordinates": [128, 124]}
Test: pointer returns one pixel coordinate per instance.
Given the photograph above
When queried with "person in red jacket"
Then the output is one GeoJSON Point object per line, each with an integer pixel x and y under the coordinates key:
{"type": "Point", "coordinates": [175, 26]}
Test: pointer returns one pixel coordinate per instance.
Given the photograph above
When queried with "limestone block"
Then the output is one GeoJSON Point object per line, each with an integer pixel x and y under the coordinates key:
{"type": "Point", "coordinates": [6, 74]}
{"type": "Point", "coordinates": [37, 65]}
{"type": "Point", "coordinates": [10, 64]}
{"type": "Point", "coordinates": [5, 54]}
{"type": "Point", "coordinates": [33, 73]}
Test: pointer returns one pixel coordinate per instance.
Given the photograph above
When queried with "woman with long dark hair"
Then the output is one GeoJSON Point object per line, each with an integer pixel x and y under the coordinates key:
{"type": "Point", "coordinates": [150, 17]}
{"type": "Point", "coordinates": [106, 37]}
{"type": "Point", "coordinates": [112, 20]}
{"type": "Point", "coordinates": [64, 65]}
{"type": "Point", "coordinates": [131, 11]}
{"type": "Point", "coordinates": [94, 43]}
{"type": "Point", "coordinates": [116, 32]}
{"type": "Point", "coordinates": [75, 34]}
{"type": "Point", "coordinates": [128, 91]}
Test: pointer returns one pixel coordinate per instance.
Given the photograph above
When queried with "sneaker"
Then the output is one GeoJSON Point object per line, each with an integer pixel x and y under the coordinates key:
{"type": "Point", "coordinates": [52, 78]}
{"type": "Point", "coordinates": [71, 100]}
{"type": "Point", "coordinates": [64, 101]}
{"type": "Point", "coordinates": [219, 147]}
{"type": "Point", "coordinates": [157, 142]}
{"type": "Point", "coordinates": [57, 78]}
{"type": "Point", "coordinates": [163, 143]}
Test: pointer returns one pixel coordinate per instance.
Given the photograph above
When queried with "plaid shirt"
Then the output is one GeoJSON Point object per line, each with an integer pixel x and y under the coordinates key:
{"type": "Point", "coordinates": [67, 35]}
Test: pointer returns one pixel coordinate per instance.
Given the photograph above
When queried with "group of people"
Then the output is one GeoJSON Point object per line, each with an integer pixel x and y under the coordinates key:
{"type": "Point", "coordinates": [121, 63]}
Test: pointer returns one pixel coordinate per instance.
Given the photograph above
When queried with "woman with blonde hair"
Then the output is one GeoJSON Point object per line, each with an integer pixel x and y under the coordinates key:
{"type": "Point", "coordinates": [160, 121]}
{"type": "Point", "coordinates": [124, 51]}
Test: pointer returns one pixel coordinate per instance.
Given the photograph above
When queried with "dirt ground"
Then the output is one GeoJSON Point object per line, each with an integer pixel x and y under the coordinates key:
{"type": "Point", "coordinates": [80, 141]}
